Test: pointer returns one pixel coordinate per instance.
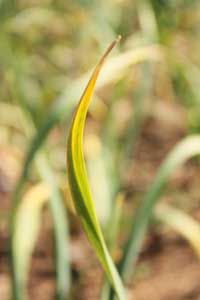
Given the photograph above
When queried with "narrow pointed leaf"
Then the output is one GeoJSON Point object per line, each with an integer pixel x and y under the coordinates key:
{"type": "Point", "coordinates": [183, 151]}
{"type": "Point", "coordinates": [79, 183]}
{"type": "Point", "coordinates": [58, 214]}
{"type": "Point", "coordinates": [180, 221]}
{"type": "Point", "coordinates": [28, 220]}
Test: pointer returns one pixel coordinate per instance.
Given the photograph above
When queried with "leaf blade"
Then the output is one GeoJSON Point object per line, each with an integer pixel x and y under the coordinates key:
{"type": "Point", "coordinates": [28, 221]}
{"type": "Point", "coordinates": [184, 150]}
{"type": "Point", "coordinates": [79, 185]}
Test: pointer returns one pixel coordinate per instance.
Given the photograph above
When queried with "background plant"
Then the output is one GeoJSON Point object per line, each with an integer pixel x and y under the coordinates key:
{"type": "Point", "coordinates": [46, 50]}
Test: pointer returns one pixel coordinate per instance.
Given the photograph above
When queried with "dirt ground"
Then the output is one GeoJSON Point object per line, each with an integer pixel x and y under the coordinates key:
{"type": "Point", "coordinates": [167, 269]}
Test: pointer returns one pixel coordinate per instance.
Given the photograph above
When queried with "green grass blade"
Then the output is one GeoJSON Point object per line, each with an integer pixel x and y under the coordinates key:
{"type": "Point", "coordinates": [61, 231]}
{"type": "Point", "coordinates": [79, 183]}
{"type": "Point", "coordinates": [60, 234]}
{"type": "Point", "coordinates": [58, 214]}
{"type": "Point", "coordinates": [60, 237]}
{"type": "Point", "coordinates": [183, 151]}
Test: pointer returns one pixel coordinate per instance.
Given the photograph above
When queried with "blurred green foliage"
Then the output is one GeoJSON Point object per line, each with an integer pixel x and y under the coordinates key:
{"type": "Point", "coordinates": [46, 50]}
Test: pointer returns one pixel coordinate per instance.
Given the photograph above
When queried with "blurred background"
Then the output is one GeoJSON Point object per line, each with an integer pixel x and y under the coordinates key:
{"type": "Point", "coordinates": [147, 99]}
